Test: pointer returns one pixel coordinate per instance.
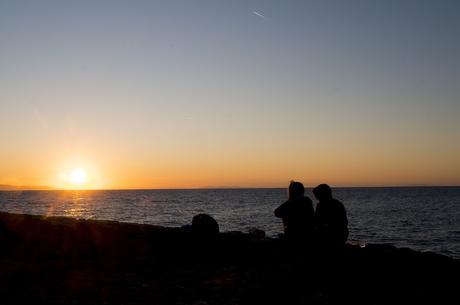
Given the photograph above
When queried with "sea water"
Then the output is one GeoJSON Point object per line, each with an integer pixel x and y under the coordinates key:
{"type": "Point", "coordinates": [422, 218]}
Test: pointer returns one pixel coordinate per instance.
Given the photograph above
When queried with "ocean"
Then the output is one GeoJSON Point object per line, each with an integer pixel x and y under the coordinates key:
{"type": "Point", "coordinates": [421, 218]}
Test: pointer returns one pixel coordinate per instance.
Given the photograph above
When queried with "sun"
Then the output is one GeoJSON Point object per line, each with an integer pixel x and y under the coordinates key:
{"type": "Point", "coordinates": [78, 176]}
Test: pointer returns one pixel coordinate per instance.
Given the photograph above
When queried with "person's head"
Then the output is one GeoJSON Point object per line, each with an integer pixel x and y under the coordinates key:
{"type": "Point", "coordinates": [323, 192]}
{"type": "Point", "coordinates": [296, 190]}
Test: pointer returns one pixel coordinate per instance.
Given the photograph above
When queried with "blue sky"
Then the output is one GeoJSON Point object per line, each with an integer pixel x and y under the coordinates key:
{"type": "Point", "coordinates": [246, 83]}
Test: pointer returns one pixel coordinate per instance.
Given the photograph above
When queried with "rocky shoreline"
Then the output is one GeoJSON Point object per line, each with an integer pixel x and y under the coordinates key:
{"type": "Point", "coordinates": [58, 260]}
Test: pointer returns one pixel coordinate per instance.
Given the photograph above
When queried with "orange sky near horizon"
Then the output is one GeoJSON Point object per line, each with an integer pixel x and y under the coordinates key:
{"type": "Point", "coordinates": [116, 166]}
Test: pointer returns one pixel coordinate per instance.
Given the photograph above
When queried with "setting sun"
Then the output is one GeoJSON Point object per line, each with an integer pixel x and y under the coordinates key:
{"type": "Point", "coordinates": [74, 173]}
{"type": "Point", "coordinates": [78, 176]}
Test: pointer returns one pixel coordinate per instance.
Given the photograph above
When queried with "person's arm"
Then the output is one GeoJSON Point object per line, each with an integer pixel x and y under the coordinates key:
{"type": "Point", "coordinates": [279, 211]}
{"type": "Point", "coordinates": [339, 221]}
{"type": "Point", "coordinates": [344, 215]}
{"type": "Point", "coordinates": [321, 217]}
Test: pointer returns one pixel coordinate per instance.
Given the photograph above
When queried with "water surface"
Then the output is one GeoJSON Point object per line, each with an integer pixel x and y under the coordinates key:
{"type": "Point", "coordinates": [422, 218]}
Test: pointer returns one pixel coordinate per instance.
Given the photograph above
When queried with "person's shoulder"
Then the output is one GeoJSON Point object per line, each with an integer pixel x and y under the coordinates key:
{"type": "Point", "coordinates": [287, 202]}
{"type": "Point", "coordinates": [282, 209]}
{"type": "Point", "coordinates": [307, 199]}
{"type": "Point", "coordinates": [337, 203]}
{"type": "Point", "coordinates": [284, 205]}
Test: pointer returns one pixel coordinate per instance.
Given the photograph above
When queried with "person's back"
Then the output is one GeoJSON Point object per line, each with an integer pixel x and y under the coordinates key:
{"type": "Point", "coordinates": [297, 214]}
{"type": "Point", "coordinates": [330, 218]}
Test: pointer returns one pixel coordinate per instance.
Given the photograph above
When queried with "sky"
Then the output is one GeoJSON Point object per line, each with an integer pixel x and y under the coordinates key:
{"type": "Point", "coordinates": [190, 94]}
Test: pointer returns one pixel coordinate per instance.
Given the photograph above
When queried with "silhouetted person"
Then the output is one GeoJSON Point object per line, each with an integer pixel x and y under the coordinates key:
{"type": "Point", "coordinates": [330, 218]}
{"type": "Point", "coordinates": [297, 214]}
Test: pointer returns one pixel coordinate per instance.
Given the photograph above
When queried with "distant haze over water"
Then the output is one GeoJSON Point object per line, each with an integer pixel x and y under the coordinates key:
{"type": "Point", "coordinates": [422, 218]}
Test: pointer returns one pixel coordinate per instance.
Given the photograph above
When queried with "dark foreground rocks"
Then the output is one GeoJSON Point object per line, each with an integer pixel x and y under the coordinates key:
{"type": "Point", "coordinates": [66, 261]}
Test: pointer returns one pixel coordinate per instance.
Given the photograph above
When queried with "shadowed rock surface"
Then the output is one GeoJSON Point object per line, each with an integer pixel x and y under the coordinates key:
{"type": "Point", "coordinates": [59, 260]}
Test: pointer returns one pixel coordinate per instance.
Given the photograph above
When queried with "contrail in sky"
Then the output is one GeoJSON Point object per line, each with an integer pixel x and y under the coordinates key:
{"type": "Point", "coordinates": [258, 14]}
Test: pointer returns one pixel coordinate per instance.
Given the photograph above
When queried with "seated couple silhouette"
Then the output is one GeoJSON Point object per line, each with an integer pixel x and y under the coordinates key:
{"type": "Point", "coordinates": [326, 226]}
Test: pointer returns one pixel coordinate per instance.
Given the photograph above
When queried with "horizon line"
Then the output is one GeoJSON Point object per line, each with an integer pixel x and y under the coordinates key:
{"type": "Point", "coordinates": [45, 188]}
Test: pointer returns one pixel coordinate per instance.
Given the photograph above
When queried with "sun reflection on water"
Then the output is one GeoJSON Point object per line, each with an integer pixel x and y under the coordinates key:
{"type": "Point", "coordinates": [73, 203]}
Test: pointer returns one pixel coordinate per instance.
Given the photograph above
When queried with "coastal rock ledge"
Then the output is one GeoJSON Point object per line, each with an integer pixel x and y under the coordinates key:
{"type": "Point", "coordinates": [58, 260]}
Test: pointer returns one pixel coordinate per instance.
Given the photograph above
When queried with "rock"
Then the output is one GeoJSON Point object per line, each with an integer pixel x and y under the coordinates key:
{"type": "Point", "coordinates": [204, 225]}
{"type": "Point", "coordinates": [186, 228]}
{"type": "Point", "coordinates": [3, 233]}
{"type": "Point", "coordinates": [56, 260]}
{"type": "Point", "coordinates": [257, 233]}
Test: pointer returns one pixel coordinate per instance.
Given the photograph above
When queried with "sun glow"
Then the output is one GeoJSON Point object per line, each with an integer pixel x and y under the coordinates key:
{"type": "Point", "coordinates": [78, 176]}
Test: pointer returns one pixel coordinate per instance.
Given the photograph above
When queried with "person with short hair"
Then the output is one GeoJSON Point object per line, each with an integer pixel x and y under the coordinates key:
{"type": "Point", "coordinates": [297, 214]}
{"type": "Point", "coordinates": [330, 218]}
